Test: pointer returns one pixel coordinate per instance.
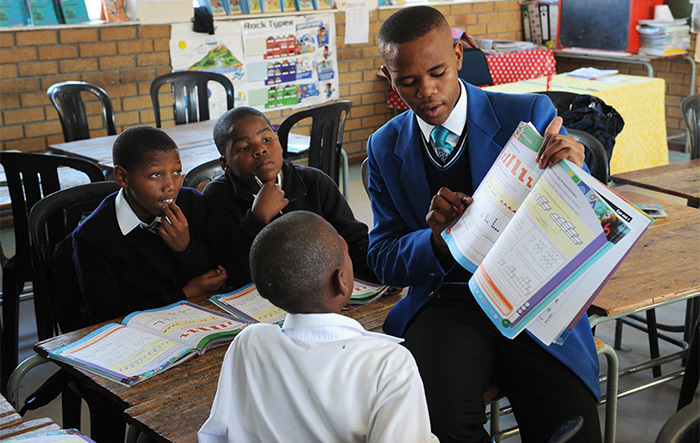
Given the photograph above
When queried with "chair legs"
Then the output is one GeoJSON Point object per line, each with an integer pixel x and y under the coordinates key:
{"type": "Point", "coordinates": [11, 290]}
{"type": "Point", "coordinates": [610, 392]}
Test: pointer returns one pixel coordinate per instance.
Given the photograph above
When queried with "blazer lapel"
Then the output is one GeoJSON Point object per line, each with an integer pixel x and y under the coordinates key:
{"type": "Point", "coordinates": [482, 127]}
{"type": "Point", "coordinates": [412, 175]}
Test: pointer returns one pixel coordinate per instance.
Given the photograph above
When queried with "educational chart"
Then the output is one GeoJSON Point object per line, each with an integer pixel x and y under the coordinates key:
{"type": "Point", "coordinates": [274, 63]}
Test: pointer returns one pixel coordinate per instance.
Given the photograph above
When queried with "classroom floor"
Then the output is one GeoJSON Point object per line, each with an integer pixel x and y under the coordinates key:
{"type": "Point", "coordinates": [640, 416]}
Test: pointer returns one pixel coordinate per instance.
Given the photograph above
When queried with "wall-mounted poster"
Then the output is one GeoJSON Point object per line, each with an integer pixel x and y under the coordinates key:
{"type": "Point", "coordinates": [274, 63]}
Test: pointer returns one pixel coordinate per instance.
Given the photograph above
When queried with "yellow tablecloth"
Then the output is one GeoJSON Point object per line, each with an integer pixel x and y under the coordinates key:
{"type": "Point", "coordinates": [640, 102]}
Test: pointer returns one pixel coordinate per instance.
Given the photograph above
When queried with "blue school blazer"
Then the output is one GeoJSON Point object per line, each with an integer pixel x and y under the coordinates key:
{"type": "Point", "coordinates": [399, 250]}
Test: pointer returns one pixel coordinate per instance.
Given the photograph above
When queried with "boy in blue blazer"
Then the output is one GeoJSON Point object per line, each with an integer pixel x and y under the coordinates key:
{"type": "Point", "coordinates": [423, 166]}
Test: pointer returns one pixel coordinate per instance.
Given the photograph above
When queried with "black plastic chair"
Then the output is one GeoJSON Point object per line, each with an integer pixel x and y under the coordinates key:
{"type": "Point", "coordinates": [475, 69]}
{"type": "Point", "coordinates": [51, 221]}
{"type": "Point", "coordinates": [191, 94]}
{"type": "Point", "coordinates": [201, 175]}
{"type": "Point", "coordinates": [691, 113]}
{"type": "Point", "coordinates": [67, 98]}
{"type": "Point", "coordinates": [326, 136]}
{"type": "Point", "coordinates": [596, 157]}
{"type": "Point", "coordinates": [30, 177]}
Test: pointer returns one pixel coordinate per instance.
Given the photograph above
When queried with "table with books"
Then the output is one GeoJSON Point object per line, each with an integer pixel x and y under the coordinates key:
{"type": "Point", "coordinates": [639, 100]}
{"type": "Point", "coordinates": [173, 404]}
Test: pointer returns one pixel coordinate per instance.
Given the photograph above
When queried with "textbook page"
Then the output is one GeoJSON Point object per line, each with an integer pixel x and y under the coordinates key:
{"type": "Point", "coordinates": [556, 231]}
{"type": "Point", "coordinates": [126, 355]}
{"type": "Point", "coordinates": [187, 323]}
{"type": "Point", "coordinates": [497, 199]}
{"type": "Point", "coordinates": [555, 322]}
{"type": "Point", "coordinates": [249, 305]}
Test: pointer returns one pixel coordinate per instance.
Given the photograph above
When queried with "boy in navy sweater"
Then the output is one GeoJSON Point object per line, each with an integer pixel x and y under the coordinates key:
{"type": "Point", "coordinates": [259, 186]}
{"type": "Point", "coordinates": [144, 246]}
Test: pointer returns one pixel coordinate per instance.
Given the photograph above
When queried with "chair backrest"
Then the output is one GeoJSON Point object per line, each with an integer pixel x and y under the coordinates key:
{"type": "Point", "coordinates": [691, 113]}
{"type": "Point", "coordinates": [201, 175]}
{"type": "Point", "coordinates": [67, 98]}
{"type": "Point", "coordinates": [51, 221]}
{"type": "Point", "coordinates": [475, 69]}
{"type": "Point", "coordinates": [326, 136]}
{"type": "Point", "coordinates": [191, 94]}
{"type": "Point", "coordinates": [596, 157]}
{"type": "Point", "coordinates": [30, 177]}
{"type": "Point", "coordinates": [364, 169]}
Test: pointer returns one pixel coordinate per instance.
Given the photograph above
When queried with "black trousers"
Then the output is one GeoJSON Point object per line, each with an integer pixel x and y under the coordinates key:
{"type": "Point", "coordinates": [458, 351]}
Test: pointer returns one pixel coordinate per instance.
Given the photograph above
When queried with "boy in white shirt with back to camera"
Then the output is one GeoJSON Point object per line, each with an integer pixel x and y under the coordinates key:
{"type": "Point", "coordinates": [321, 377]}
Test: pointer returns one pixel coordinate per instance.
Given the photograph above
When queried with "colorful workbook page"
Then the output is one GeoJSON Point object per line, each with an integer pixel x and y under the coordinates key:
{"type": "Point", "coordinates": [247, 304]}
{"type": "Point", "coordinates": [497, 199]}
{"type": "Point", "coordinates": [556, 321]}
{"type": "Point", "coordinates": [530, 234]}
{"type": "Point", "coordinates": [149, 342]}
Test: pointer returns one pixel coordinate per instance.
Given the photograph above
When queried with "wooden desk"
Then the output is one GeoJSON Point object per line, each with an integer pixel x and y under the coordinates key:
{"type": "Point", "coordinates": [678, 178]}
{"type": "Point", "coordinates": [194, 140]}
{"type": "Point", "coordinates": [664, 267]}
{"type": "Point", "coordinates": [8, 416]}
{"type": "Point", "coordinates": [38, 426]}
{"type": "Point", "coordinates": [639, 100]}
{"type": "Point", "coordinates": [173, 405]}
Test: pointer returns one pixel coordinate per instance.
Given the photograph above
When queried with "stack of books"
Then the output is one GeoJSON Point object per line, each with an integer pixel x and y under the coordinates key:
{"type": "Point", "coordinates": [660, 38]}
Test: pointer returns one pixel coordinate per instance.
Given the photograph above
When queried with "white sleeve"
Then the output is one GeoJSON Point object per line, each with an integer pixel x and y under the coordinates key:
{"type": "Point", "coordinates": [216, 428]}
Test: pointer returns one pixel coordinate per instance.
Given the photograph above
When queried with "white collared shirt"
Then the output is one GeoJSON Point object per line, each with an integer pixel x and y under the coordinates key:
{"type": "Point", "coordinates": [455, 122]}
{"type": "Point", "coordinates": [126, 217]}
{"type": "Point", "coordinates": [321, 377]}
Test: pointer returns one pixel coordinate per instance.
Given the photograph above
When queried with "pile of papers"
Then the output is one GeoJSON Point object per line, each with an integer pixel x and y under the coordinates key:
{"type": "Point", "coordinates": [592, 73]}
{"type": "Point", "coordinates": [503, 46]}
{"type": "Point", "coordinates": [659, 38]}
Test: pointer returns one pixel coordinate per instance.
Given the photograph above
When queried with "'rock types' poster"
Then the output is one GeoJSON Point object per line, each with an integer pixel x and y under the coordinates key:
{"type": "Point", "coordinates": [274, 63]}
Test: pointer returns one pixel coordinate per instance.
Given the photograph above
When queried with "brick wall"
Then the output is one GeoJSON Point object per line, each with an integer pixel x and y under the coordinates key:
{"type": "Point", "coordinates": [123, 58]}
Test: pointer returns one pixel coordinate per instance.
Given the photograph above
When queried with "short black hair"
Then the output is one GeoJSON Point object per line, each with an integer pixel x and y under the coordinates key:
{"type": "Point", "coordinates": [293, 258]}
{"type": "Point", "coordinates": [409, 24]}
{"type": "Point", "coordinates": [130, 147]}
{"type": "Point", "coordinates": [225, 124]}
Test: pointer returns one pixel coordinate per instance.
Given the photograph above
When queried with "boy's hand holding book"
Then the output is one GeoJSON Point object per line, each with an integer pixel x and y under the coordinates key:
{"type": "Point", "coordinates": [174, 229]}
{"type": "Point", "coordinates": [557, 147]}
{"type": "Point", "coordinates": [445, 207]}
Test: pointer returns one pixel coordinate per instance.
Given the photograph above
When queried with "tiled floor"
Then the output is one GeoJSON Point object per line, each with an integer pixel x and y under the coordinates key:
{"type": "Point", "coordinates": [640, 416]}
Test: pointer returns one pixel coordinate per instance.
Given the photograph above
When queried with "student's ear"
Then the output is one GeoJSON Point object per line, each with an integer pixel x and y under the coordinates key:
{"type": "Point", "coordinates": [340, 286]}
{"type": "Point", "coordinates": [459, 53]}
{"type": "Point", "coordinates": [121, 176]}
{"type": "Point", "coordinates": [387, 75]}
{"type": "Point", "coordinates": [224, 165]}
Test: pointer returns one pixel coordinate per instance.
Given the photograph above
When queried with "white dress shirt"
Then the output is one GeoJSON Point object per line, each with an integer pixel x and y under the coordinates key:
{"type": "Point", "coordinates": [455, 122]}
{"type": "Point", "coordinates": [320, 378]}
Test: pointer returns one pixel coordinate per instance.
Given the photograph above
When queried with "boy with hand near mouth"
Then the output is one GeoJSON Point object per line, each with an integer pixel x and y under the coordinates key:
{"type": "Point", "coordinates": [144, 246]}
{"type": "Point", "coordinates": [259, 186]}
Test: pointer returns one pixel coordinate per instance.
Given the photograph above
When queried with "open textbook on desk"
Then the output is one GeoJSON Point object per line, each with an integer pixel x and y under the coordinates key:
{"type": "Point", "coordinates": [247, 304]}
{"type": "Point", "coordinates": [148, 342]}
{"type": "Point", "coordinates": [541, 243]}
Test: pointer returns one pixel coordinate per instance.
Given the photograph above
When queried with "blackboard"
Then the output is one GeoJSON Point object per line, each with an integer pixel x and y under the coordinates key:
{"type": "Point", "coordinates": [594, 24]}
